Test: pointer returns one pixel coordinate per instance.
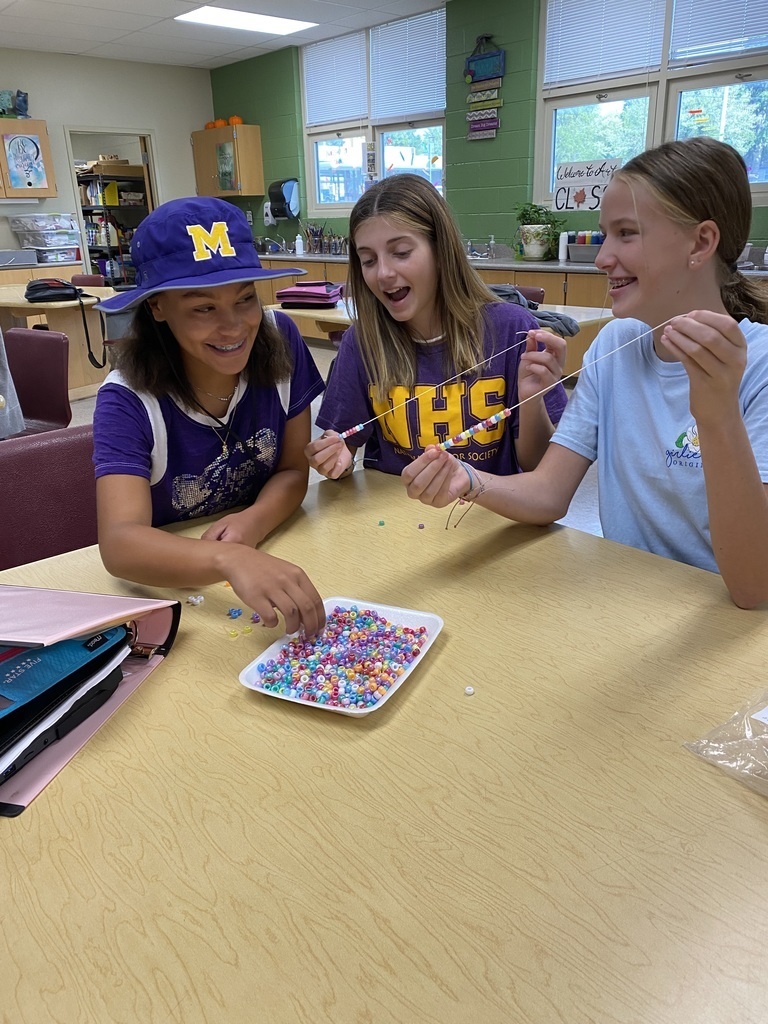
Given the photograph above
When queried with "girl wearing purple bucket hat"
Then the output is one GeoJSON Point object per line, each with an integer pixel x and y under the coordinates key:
{"type": "Point", "coordinates": [206, 411]}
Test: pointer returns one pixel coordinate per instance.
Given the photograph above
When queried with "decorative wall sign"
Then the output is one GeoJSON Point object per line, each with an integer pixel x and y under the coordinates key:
{"type": "Point", "coordinates": [488, 83]}
{"type": "Point", "coordinates": [486, 104]}
{"type": "Point", "coordinates": [24, 157]}
{"type": "Point", "coordinates": [483, 126]}
{"type": "Point", "coordinates": [481, 115]}
{"type": "Point", "coordinates": [483, 72]}
{"type": "Point", "coordinates": [485, 94]}
{"type": "Point", "coordinates": [483, 66]}
{"type": "Point", "coordinates": [580, 186]}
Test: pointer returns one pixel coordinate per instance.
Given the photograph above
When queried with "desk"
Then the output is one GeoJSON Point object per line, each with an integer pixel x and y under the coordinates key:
{"type": "Point", "coordinates": [84, 379]}
{"type": "Point", "coordinates": [318, 323]}
{"type": "Point", "coordinates": [542, 852]}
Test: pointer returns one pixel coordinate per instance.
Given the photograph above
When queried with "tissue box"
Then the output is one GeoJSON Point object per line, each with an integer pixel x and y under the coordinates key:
{"type": "Point", "coordinates": [583, 253]}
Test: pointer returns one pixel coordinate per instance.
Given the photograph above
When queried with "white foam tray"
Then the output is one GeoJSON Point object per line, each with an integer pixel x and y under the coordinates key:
{"type": "Point", "coordinates": [251, 677]}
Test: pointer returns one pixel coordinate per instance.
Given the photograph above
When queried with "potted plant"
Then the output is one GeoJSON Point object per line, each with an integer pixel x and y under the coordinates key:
{"type": "Point", "coordinates": [539, 231]}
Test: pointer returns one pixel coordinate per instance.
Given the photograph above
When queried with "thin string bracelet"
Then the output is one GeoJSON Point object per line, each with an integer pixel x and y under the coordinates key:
{"type": "Point", "coordinates": [465, 499]}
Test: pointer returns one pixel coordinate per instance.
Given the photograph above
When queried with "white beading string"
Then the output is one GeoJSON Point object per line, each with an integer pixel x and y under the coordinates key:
{"type": "Point", "coordinates": [356, 429]}
{"type": "Point", "coordinates": [492, 420]}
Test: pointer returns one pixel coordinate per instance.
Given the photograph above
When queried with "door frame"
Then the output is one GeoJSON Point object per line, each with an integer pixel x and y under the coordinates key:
{"type": "Point", "coordinates": [146, 139]}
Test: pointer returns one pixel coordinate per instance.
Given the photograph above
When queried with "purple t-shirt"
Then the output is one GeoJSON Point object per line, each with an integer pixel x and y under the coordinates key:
{"type": "Point", "coordinates": [195, 467]}
{"type": "Point", "coordinates": [437, 414]}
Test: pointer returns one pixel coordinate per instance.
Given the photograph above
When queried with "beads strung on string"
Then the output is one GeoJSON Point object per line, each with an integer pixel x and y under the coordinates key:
{"type": "Point", "coordinates": [476, 428]}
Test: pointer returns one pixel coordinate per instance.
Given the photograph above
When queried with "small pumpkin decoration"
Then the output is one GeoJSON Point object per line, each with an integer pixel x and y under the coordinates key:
{"type": "Point", "coordinates": [210, 124]}
{"type": "Point", "coordinates": [235, 119]}
{"type": "Point", "coordinates": [220, 122]}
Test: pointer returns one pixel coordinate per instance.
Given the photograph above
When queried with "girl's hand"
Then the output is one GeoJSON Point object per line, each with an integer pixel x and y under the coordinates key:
{"type": "Point", "coordinates": [270, 585]}
{"type": "Point", "coordinates": [713, 351]}
{"type": "Point", "coordinates": [233, 528]}
{"type": "Point", "coordinates": [540, 368]}
{"type": "Point", "coordinates": [436, 478]}
{"type": "Point", "coordinates": [329, 455]}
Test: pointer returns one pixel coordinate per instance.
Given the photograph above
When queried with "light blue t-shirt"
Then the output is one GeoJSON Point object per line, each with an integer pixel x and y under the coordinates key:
{"type": "Point", "coordinates": [631, 411]}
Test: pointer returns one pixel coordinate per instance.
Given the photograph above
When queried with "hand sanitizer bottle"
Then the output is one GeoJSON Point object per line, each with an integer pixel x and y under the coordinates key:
{"type": "Point", "coordinates": [299, 245]}
{"type": "Point", "coordinates": [491, 248]}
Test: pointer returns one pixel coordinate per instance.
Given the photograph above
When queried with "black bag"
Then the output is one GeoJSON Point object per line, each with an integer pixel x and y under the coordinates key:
{"type": "Point", "coordinates": [53, 289]}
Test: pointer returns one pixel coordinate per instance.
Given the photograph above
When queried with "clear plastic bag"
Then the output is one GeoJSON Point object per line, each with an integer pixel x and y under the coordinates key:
{"type": "Point", "coordinates": [740, 745]}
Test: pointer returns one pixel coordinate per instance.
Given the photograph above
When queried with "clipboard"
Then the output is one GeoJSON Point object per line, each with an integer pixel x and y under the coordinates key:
{"type": "Point", "coordinates": [34, 618]}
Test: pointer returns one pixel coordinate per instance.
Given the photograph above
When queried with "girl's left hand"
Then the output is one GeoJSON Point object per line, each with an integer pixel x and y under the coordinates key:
{"type": "Point", "coordinates": [234, 529]}
{"type": "Point", "coordinates": [713, 351]}
{"type": "Point", "coordinates": [540, 368]}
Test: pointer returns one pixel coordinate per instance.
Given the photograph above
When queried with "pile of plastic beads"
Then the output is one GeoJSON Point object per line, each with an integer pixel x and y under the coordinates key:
{"type": "Point", "coordinates": [352, 664]}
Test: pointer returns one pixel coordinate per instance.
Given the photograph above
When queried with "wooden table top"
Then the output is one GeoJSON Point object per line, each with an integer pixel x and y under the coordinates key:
{"type": "Point", "coordinates": [542, 851]}
{"type": "Point", "coordinates": [12, 297]}
{"type": "Point", "coordinates": [327, 320]}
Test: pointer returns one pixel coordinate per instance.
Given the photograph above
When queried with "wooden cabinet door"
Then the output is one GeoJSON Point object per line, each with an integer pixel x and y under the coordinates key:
{"type": "Point", "coordinates": [53, 270]}
{"type": "Point", "coordinates": [587, 290]}
{"type": "Point", "coordinates": [26, 165]}
{"type": "Point", "coordinates": [250, 163]}
{"type": "Point", "coordinates": [553, 285]}
{"type": "Point", "coordinates": [19, 275]}
{"type": "Point", "coordinates": [228, 161]}
{"type": "Point", "coordinates": [496, 276]}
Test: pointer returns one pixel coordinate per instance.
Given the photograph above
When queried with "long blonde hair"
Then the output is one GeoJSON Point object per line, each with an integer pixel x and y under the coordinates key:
{"type": "Point", "coordinates": [387, 349]}
{"type": "Point", "coordinates": [700, 179]}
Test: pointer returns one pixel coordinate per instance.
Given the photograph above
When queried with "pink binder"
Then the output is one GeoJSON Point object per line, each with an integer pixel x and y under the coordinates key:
{"type": "Point", "coordinates": [32, 617]}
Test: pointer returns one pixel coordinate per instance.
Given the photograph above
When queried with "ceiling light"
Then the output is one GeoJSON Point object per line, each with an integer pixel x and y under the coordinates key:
{"type": "Point", "coordinates": [223, 18]}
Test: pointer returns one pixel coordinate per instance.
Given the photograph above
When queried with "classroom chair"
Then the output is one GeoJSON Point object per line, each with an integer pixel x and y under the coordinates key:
{"type": "Point", "coordinates": [48, 497]}
{"type": "Point", "coordinates": [39, 365]}
{"type": "Point", "coordinates": [530, 292]}
{"type": "Point", "coordinates": [88, 280]}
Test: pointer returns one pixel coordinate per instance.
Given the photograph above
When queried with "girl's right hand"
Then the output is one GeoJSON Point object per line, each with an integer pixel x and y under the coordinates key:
{"type": "Point", "coordinates": [269, 585]}
{"type": "Point", "coordinates": [436, 478]}
{"type": "Point", "coordinates": [329, 455]}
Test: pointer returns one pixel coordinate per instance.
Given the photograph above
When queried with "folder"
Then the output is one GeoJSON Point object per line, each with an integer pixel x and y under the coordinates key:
{"type": "Point", "coordinates": [32, 619]}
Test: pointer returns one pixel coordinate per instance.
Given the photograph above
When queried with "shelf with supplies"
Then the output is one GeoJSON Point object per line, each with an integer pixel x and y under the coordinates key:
{"type": "Point", "coordinates": [113, 203]}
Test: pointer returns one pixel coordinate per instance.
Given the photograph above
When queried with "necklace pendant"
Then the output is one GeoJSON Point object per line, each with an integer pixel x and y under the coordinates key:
{"type": "Point", "coordinates": [224, 450]}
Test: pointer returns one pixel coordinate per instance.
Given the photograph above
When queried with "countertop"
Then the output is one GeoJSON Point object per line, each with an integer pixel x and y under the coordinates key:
{"type": "Point", "coordinates": [534, 266]}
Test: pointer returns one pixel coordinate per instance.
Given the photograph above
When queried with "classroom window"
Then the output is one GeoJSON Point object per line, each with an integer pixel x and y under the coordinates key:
{"type": "Point", "coordinates": [414, 151]}
{"type": "Point", "coordinates": [383, 116]}
{"type": "Point", "coordinates": [339, 168]}
{"type": "Point", "coordinates": [609, 83]}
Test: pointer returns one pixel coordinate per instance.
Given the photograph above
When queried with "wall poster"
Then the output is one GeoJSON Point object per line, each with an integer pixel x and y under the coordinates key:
{"type": "Point", "coordinates": [25, 161]}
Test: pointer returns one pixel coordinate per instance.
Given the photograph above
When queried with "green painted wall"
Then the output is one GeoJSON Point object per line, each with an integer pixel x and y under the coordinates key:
{"type": "Point", "coordinates": [484, 180]}
{"type": "Point", "coordinates": [267, 91]}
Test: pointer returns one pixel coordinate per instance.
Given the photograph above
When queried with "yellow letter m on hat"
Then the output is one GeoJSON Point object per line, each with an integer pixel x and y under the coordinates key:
{"type": "Point", "coordinates": [209, 242]}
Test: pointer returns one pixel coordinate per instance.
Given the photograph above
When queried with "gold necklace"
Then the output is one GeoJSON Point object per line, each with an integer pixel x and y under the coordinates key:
{"type": "Point", "coordinates": [218, 398]}
{"type": "Point", "coordinates": [224, 440]}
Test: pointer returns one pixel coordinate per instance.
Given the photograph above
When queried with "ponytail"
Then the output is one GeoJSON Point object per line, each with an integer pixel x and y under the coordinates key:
{"type": "Point", "coordinates": [743, 297]}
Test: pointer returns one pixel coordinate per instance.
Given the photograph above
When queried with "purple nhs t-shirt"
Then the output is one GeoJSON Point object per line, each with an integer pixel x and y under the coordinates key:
{"type": "Point", "coordinates": [435, 415]}
{"type": "Point", "coordinates": [184, 457]}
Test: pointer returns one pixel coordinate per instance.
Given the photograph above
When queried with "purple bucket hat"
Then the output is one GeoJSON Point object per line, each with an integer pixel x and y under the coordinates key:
{"type": "Point", "coordinates": [198, 242]}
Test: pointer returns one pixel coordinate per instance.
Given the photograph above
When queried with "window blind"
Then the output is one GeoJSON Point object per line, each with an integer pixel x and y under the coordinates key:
{"type": "Point", "coordinates": [589, 40]}
{"type": "Point", "coordinates": [705, 30]}
{"type": "Point", "coordinates": [335, 79]}
{"type": "Point", "coordinates": [408, 68]}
